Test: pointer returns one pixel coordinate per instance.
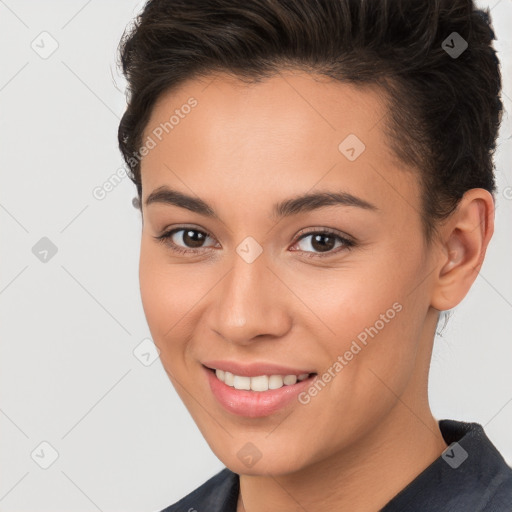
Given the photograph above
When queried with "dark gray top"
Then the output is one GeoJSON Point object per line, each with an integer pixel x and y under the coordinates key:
{"type": "Point", "coordinates": [470, 476]}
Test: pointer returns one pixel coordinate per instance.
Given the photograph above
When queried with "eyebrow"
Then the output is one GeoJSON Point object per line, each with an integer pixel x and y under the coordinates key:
{"type": "Point", "coordinates": [299, 204]}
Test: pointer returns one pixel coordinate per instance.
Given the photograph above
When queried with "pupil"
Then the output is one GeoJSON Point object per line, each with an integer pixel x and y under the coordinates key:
{"type": "Point", "coordinates": [196, 240]}
{"type": "Point", "coordinates": [321, 246]}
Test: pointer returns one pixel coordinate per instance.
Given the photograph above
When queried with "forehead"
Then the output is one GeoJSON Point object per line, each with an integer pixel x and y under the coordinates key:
{"type": "Point", "coordinates": [286, 105]}
{"type": "Point", "coordinates": [291, 130]}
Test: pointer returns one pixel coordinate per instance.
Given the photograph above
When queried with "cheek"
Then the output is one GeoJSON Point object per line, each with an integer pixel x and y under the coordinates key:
{"type": "Point", "coordinates": [346, 301]}
{"type": "Point", "coordinates": [372, 332]}
{"type": "Point", "coordinates": [168, 295]}
{"type": "Point", "coordinates": [372, 320]}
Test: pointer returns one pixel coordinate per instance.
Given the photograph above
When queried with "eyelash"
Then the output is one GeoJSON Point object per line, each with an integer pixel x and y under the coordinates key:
{"type": "Point", "coordinates": [347, 243]}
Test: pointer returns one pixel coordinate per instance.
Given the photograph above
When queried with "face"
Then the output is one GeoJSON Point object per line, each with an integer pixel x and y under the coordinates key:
{"type": "Point", "coordinates": [242, 277]}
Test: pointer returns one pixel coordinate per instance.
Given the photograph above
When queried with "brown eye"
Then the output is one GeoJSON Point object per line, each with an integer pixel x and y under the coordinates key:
{"type": "Point", "coordinates": [320, 243]}
{"type": "Point", "coordinates": [183, 240]}
{"type": "Point", "coordinates": [192, 238]}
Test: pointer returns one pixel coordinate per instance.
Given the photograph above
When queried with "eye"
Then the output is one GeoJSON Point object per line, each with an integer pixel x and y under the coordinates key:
{"type": "Point", "coordinates": [183, 240]}
{"type": "Point", "coordinates": [192, 239]}
{"type": "Point", "coordinates": [324, 242]}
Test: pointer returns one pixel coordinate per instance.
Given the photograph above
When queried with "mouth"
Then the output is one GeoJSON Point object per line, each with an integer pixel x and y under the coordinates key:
{"type": "Point", "coordinates": [258, 383]}
{"type": "Point", "coordinates": [257, 395]}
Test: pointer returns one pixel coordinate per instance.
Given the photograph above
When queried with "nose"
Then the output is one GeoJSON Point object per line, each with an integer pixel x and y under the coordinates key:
{"type": "Point", "coordinates": [249, 304]}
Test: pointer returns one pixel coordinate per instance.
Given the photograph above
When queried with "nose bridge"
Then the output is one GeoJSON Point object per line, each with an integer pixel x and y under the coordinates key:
{"type": "Point", "coordinates": [246, 304]}
{"type": "Point", "coordinates": [245, 292]}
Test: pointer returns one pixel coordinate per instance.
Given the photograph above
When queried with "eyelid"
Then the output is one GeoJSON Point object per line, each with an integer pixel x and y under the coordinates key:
{"type": "Point", "coordinates": [348, 241]}
{"type": "Point", "coordinates": [331, 231]}
{"type": "Point", "coordinates": [166, 235]}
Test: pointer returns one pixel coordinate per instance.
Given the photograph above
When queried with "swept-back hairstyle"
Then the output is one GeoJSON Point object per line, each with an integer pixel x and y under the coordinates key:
{"type": "Point", "coordinates": [444, 106]}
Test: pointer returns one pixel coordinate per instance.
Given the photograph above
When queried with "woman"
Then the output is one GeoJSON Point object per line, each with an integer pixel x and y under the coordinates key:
{"type": "Point", "coordinates": [316, 187]}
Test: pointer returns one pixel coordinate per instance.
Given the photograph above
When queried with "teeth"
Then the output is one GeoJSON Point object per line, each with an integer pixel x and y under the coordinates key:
{"type": "Point", "coordinates": [259, 383]}
{"type": "Point", "coordinates": [229, 379]}
{"type": "Point", "coordinates": [242, 383]}
{"type": "Point", "coordinates": [289, 380]}
{"type": "Point", "coordinates": [275, 382]}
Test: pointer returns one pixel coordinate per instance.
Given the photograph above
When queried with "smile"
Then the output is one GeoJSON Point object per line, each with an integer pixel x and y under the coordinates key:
{"type": "Point", "coordinates": [260, 382]}
{"type": "Point", "coordinates": [260, 393]}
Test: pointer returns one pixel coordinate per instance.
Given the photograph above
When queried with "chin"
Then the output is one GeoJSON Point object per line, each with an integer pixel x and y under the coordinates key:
{"type": "Point", "coordinates": [276, 464]}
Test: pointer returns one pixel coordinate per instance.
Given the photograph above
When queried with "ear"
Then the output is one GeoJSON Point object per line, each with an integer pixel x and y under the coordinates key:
{"type": "Point", "coordinates": [463, 241]}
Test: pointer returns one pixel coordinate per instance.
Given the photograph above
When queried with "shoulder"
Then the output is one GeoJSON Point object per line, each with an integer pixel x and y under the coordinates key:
{"type": "Point", "coordinates": [480, 466]}
{"type": "Point", "coordinates": [471, 474]}
{"type": "Point", "coordinates": [218, 494]}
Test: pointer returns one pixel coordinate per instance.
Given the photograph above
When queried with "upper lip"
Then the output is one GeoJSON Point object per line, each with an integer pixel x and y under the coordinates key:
{"type": "Point", "coordinates": [254, 369]}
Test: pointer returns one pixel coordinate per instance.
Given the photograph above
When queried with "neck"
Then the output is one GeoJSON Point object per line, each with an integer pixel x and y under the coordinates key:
{"type": "Point", "coordinates": [367, 474]}
{"type": "Point", "coordinates": [384, 462]}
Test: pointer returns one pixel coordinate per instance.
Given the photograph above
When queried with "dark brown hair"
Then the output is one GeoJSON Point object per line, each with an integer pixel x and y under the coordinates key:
{"type": "Point", "coordinates": [444, 107]}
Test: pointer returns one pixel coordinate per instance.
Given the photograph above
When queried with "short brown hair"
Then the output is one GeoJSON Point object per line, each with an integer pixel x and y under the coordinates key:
{"type": "Point", "coordinates": [445, 109]}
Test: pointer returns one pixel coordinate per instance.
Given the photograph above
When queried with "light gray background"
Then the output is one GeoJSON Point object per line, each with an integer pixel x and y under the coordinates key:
{"type": "Point", "coordinates": [68, 375]}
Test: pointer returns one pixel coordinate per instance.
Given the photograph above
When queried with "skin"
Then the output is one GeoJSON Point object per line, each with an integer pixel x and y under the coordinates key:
{"type": "Point", "coordinates": [241, 149]}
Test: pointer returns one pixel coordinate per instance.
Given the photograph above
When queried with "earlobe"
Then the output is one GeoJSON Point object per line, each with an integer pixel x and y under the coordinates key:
{"type": "Point", "coordinates": [464, 238]}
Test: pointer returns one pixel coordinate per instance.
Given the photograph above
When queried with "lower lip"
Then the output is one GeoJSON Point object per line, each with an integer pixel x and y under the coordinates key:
{"type": "Point", "coordinates": [254, 404]}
